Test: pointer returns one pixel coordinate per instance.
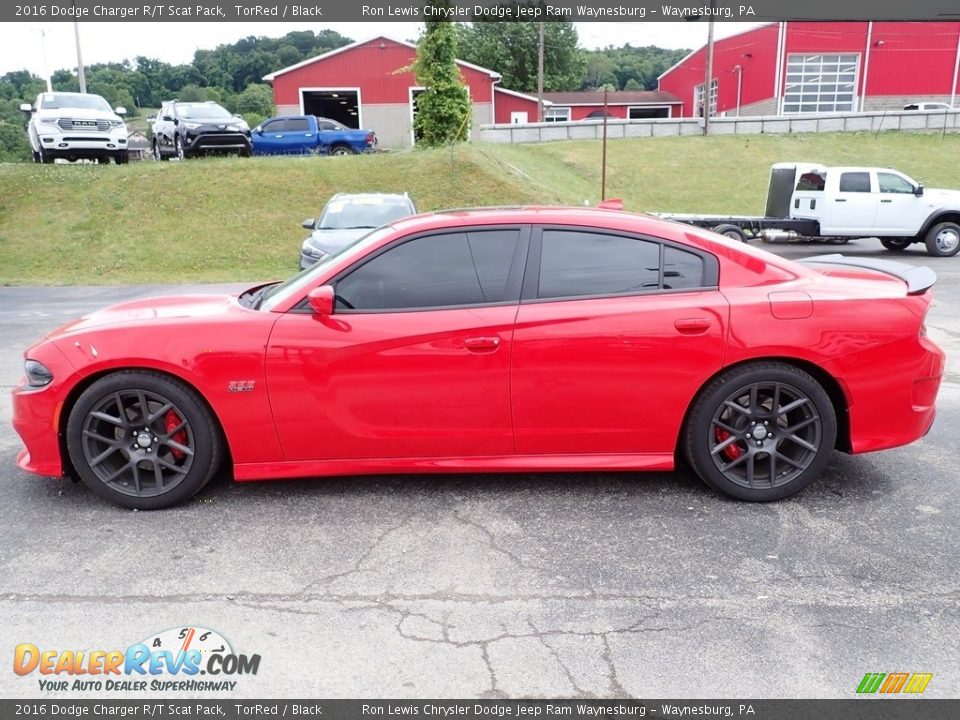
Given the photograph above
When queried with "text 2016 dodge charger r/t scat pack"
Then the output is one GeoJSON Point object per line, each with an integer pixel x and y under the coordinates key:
{"type": "Point", "coordinates": [549, 339]}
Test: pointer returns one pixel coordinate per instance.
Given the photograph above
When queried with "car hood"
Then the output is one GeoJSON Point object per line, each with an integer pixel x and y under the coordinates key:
{"type": "Point", "coordinates": [941, 195]}
{"type": "Point", "coordinates": [331, 241]}
{"type": "Point", "coordinates": [151, 310]}
{"type": "Point", "coordinates": [79, 114]}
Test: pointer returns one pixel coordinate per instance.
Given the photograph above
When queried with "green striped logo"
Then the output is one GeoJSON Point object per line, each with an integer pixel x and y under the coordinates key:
{"type": "Point", "coordinates": [893, 683]}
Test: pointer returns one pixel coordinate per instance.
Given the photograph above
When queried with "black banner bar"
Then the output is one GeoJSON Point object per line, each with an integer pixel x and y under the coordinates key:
{"type": "Point", "coordinates": [871, 708]}
{"type": "Point", "coordinates": [380, 11]}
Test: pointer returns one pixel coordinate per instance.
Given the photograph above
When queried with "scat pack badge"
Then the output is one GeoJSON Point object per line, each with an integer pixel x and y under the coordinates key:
{"type": "Point", "coordinates": [169, 661]}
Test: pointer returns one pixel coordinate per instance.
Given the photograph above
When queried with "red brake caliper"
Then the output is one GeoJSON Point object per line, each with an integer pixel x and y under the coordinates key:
{"type": "Point", "coordinates": [731, 451]}
{"type": "Point", "coordinates": [170, 421]}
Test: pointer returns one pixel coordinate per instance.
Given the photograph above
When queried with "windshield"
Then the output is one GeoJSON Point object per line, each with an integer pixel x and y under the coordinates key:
{"type": "Point", "coordinates": [362, 212]}
{"type": "Point", "coordinates": [202, 110]}
{"type": "Point", "coordinates": [60, 101]}
{"type": "Point", "coordinates": [280, 292]}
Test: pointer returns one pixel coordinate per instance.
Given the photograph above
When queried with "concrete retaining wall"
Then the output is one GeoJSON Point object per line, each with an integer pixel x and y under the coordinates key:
{"type": "Point", "coordinates": [753, 125]}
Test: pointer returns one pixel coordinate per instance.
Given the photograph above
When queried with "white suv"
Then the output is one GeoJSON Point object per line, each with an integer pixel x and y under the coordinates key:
{"type": "Point", "coordinates": [75, 126]}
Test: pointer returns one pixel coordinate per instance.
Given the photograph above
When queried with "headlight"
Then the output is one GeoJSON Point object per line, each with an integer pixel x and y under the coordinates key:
{"type": "Point", "coordinates": [233, 128]}
{"type": "Point", "coordinates": [48, 120]}
{"type": "Point", "coordinates": [192, 126]}
{"type": "Point", "coordinates": [116, 123]}
{"type": "Point", "coordinates": [38, 375]}
{"type": "Point", "coordinates": [310, 251]}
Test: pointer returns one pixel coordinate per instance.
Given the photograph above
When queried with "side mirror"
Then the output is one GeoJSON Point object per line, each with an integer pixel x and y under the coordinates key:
{"type": "Point", "coordinates": [919, 190]}
{"type": "Point", "coordinates": [258, 130]}
{"type": "Point", "coordinates": [321, 300]}
{"type": "Point", "coordinates": [120, 110]}
{"type": "Point", "coordinates": [309, 223]}
{"type": "Point", "coordinates": [26, 107]}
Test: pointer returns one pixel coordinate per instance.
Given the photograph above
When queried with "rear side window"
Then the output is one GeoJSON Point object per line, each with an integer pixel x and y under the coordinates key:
{"type": "Point", "coordinates": [812, 181]}
{"type": "Point", "coordinates": [681, 269]}
{"type": "Point", "coordinates": [855, 182]}
{"type": "Point", "coordinates": [574, 263]}
{"type": "Point", "coordinates": [465, 268]}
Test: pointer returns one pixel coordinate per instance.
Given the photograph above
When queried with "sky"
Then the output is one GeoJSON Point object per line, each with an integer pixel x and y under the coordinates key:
{"type": "Point", "coordinates": [23, 45]}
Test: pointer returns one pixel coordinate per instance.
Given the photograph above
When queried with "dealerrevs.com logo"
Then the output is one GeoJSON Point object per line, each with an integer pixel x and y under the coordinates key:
{"type": "Point", "coordinates": [169, 661]}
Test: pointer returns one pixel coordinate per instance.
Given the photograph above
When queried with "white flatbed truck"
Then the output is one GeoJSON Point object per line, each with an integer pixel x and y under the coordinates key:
{"type": "Point", "coordinates": [837, 204]}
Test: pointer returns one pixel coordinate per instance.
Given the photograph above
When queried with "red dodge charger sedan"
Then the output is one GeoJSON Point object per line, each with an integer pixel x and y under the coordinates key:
{"type": "Point", "coordinates": [494, 340]}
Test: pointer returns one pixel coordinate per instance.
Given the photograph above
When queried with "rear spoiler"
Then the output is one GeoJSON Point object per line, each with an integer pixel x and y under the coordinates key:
{"type": "Point", "coordinates": [918, 279]}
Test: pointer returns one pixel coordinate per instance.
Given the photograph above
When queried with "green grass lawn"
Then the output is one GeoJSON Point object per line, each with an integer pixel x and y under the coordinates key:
{"type": "Point", "coordinates": [229, 219]}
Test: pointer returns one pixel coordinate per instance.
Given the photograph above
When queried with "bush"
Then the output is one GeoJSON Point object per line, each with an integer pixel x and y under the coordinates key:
{"type": "Point", "coordinates": [14, 145]}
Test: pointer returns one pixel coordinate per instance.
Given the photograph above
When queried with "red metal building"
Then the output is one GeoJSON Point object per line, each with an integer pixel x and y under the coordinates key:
{"type": "Point", "coordinates": [370, 84]}
{"type": "Point", "coordinates": [792, 68]}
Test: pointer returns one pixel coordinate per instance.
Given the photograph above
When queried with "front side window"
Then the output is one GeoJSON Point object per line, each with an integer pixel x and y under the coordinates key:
{"type": "Point", "coordinates": [275, 126]}
{"type": "Point", "coordinates": [297, 125]}
{"type": "Point", "coordinates": [453, 269]}
{"type": "Point", "coordinates": [891, 183]}
{"type": "Point", "coordinates": [858, 182]}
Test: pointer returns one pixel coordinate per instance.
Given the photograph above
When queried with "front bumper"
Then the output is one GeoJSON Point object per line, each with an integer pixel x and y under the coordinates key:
{"type": "Point", "coordinates": [36, 419]}
{"type": "Point", "coordinates": [200, 141]}
{"type": "Point", "coordinates": [82, 144]}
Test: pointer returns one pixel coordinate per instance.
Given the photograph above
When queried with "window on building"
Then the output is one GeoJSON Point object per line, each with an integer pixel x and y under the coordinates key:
{"type": "Point", "coordinates": [820, 83]}
{"type": "Point", "coordinates": [556, 114]}
{"type": "Point", "coordinates": [698, 98]}
{"type": "Point", "coordinates": [855, 182]}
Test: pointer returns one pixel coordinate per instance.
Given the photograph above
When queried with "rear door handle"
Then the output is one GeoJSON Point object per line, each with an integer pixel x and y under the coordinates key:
{"type": "Point", "coordinates": [692, 326]}
{"type": "Point", "coordinates": [839, 200]}
{"type": "Point", "coordinates": [482, 344]}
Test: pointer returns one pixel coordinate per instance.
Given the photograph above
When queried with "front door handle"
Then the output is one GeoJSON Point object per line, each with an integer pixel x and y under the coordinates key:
{"type": "Point", "coordinates": [482, 344]}
{"type": "Point", "coordinates": [839, 200]}
{"type": "Point", "coordinates": [692, 326]}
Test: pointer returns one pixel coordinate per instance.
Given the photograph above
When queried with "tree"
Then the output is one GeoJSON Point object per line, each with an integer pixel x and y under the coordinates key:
{"type": "Point", "coordinates": [443, 108]}
{"type": "Point", "coordinates": [256, 99]}
{"type": "Point", "coordinates": [511, 49]}
{"type": "Point", "coordinates": [632, 84]}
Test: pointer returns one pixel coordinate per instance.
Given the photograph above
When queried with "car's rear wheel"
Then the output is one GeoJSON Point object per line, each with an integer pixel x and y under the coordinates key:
{"type": "Point", "coordinates": [896, 244]}
{"type": "Point", "coordinates": [761, 432]}
{"type": "Point", "coordinates": [143, 440]}
{"type": "Point", "coordinates": [341, 150]}
{"type": "Point", "coordinates": [943, 239]}
{"type": "Point", "coordinates": [731, 231]}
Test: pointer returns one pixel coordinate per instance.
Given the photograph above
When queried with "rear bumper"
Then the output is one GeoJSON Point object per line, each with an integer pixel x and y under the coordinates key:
{"type": "Point", "coordinates": [895, 405]}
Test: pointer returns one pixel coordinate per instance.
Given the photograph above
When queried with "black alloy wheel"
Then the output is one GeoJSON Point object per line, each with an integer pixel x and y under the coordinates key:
{"type": "Point", "coordinates": [143, 440]}
{"type": "Point", "coordinates": [761, 432]}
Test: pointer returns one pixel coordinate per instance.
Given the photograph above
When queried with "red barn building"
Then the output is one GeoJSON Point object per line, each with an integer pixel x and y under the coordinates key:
{"type": "Point", "coordinates": [370, 84]}
{"type": "Point", "coordinates": [791, 68]}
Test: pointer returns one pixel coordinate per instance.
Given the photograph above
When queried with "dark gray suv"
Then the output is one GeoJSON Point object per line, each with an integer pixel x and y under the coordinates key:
{"type": "Point", "coordinates": [183, 129]}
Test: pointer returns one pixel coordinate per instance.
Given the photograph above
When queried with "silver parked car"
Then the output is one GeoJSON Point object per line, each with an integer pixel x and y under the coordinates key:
{"type": "Point", "coordinates": [348, 217]}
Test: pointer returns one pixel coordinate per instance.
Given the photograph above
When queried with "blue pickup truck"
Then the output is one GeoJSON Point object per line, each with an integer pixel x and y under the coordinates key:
{"type": "Point", "coordinates": [302, 134]}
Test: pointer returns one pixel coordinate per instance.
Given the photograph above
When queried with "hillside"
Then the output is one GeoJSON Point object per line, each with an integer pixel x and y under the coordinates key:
{"type": "Point", "coordinates": [239, 219]}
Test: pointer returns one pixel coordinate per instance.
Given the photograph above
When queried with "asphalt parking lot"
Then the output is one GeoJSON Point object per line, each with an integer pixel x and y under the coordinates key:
{"type": "Point", "coordinates": [608, 585]}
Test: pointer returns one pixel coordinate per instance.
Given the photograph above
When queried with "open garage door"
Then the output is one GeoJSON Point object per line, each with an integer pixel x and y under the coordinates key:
{"type": "Point", "coordinates": [340, 104]}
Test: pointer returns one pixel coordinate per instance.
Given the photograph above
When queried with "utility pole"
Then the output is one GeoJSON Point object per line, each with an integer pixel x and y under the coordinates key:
{"type": "Point", "coordinates": [603, 170]}
{"type": "Point", "coordinates": [543, 31]}
{"type": "Point", "coordinates": [708, 83]}
{"type": "Point", "coordinates": [76, 34]}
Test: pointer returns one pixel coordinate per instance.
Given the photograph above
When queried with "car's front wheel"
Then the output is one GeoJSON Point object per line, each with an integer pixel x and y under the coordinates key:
{"type": "Point", "coordinates": [143, 440]}
{"type": "Point", "coordinates": [761, 432]}
{"type": "Point", "coordinates": [178, 148]}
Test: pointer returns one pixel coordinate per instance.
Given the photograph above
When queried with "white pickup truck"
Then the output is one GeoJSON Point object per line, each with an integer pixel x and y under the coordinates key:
{"type": "Point", "coordinates": [806, 200]}
{"type": "Point", "coordinates": [75, 126]}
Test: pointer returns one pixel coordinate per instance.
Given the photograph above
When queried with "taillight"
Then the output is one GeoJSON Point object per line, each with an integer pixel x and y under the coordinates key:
{"type": "Point", "coordinates": [371, 137]}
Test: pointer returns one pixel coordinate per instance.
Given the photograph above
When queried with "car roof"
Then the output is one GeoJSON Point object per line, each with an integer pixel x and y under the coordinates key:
{"type": "Point", "coordinates": [348, 197]}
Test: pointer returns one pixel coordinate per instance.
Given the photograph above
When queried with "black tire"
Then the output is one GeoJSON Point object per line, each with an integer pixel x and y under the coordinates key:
{"type": "Point", "coordinates": [341, 150]}
{"type": "Point", "coordinates": [121, 158]}
{"type": "Point", "coordinates": [36, 156]}
{"type": "Point", "coordinates": [143, 440]}
{"type": "Point", "coordinates": [896, 244]}
{"type": "Point", "coordinates": [46, 158]}
{"type": "Point", "coordinates": [731, 231]}
{"type": "Point", "coordinates": [178, 150]}
{"type": "Point", "coordinates": [943, 239]}
{"type": "Point", "coordinates": [157, 152]}
{"type": "Point", "coordinates": [725, 447]}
